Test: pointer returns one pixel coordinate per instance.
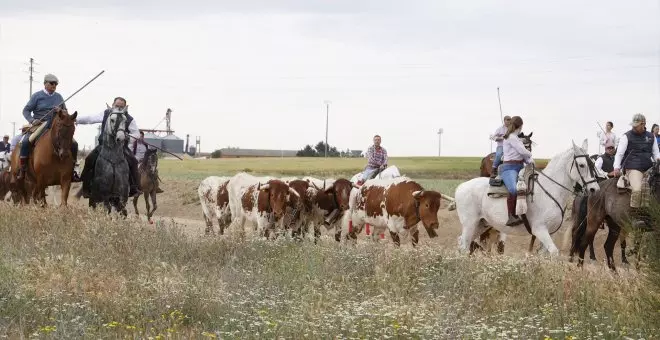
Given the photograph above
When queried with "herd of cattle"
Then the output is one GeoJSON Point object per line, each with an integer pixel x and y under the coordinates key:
{"type": "Point", "coordinates": [277, 205]}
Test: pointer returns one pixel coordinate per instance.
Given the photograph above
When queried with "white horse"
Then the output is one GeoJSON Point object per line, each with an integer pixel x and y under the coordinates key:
{"type": "Point", "coordinates": [553, 190]}
{"type": "Point", "coordinates": [388, 173]}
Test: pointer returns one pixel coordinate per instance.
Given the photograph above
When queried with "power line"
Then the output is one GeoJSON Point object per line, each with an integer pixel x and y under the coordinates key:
{"type": "Point", "coordinates": [31, 71]}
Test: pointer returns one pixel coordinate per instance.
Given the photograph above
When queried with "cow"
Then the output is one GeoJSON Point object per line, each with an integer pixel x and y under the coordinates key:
{"type": "Point", "coordinates": [399, 205]}
{"type": "Point", "coordinates": [300, 210]}
{"type": "Point", "coordinates": [214, 198]}
{"type": "Point", "coordinates": [260, 200]}
{"type": "Point", "coordinates": [332, 195]}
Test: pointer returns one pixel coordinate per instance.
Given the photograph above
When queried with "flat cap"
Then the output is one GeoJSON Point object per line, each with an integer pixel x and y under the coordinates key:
{"type": "Point", "coordinates": [51, 78]}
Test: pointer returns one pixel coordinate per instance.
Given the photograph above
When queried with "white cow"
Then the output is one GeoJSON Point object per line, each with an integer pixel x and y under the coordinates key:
{"type": "Point", "coordinates": [214, 198]}
{"type": "Point", "coordinates": [390, 172]}
{"type": "Point", "coordinates": [260, 200]}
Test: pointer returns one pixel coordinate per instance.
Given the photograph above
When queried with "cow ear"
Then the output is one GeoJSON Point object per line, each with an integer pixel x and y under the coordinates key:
{"type": "Point", "coordinates": [418, 194]}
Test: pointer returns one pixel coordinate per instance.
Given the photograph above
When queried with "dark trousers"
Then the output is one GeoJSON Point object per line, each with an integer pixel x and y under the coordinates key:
{"type": "Point", "coordinates": [88, 169]}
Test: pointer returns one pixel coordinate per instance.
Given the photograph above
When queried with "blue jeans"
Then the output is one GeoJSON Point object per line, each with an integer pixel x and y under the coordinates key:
{"type": "Point", "coordinates": [366, 174]}
{"type": "Point", "coordinates": [498, 157]}
{"type": "Point", "coordinates": [510, 176]}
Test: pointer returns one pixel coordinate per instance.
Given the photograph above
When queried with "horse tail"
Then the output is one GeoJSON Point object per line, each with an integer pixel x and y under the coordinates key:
{"type": "Point", "coordinates": [580, 223]}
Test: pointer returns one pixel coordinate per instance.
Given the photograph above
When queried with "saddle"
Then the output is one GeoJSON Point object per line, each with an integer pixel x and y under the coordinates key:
{"type": "Point", "coordinates": [35, 132]}
{"type": "Point", "coordinates": [497, 188]}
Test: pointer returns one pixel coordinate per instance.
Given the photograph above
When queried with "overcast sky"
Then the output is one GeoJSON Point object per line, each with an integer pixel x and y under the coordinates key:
{"type": "Point", "coordinates": [255, 74]}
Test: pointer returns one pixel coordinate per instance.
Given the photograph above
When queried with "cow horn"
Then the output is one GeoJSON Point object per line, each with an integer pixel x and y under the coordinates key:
{"type": "Point", "coordinates": [315, 186]}
{"type": "Point", "coordinates": [417, 194]}
{"type": "Point", "coordinates": [294, 192]}
{"type": "Point", "coordinates": [263, 187]}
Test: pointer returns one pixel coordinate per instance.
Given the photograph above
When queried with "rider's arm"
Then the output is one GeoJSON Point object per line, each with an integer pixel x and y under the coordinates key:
{"type": "Point", "coordinates": [620, 150]}
{"type": "Point", "coordinates": [517, 145]}
{"type": "Point", "coordinates": [29, 107]}
{"type": "Point", "coordinates": [599, 163]}
{"type": "Point", "coordinates": [384, 157]}
{"type": "Point", "coordinates": [92, 119]}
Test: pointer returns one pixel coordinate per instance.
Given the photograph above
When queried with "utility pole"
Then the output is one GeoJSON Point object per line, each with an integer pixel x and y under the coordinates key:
{"type": "Point", "coordinates": [327, 114]}
{"type": "Point", "coordinates": [31, 77]}
{"type": "Point", "coordinates": [440, 131]}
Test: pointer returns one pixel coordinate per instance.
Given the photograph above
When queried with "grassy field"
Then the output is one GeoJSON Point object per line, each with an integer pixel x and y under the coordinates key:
{"type": "Point", "coordinates": [78, 274]}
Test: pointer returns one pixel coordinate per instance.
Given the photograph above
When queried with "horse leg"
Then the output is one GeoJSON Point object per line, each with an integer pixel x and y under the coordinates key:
{"type": "Point", "coordinates": [470, 229]}
{"type": "Point", "coordinates": [147, 205]}
{"type": "Point", "coordinates": [135, 201]}
{"type": "Point", "coordinates": [592, 252]}
{"type": "Point", "coordinates": [544, 237]}
{"type": "Point", "coordinates": [612, 236]}
{"type": "Point", "coordinates": [531, 244]}
{"type": "Point", "coordinates": [622, 237]}
{"type": "Point", "coordinates": [65, 186]}
{"type": "Point", "coordinates": [594, 219]}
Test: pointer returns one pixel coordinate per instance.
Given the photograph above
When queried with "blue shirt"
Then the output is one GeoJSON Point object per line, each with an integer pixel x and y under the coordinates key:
{"type": "Point", "coordinates": [40, 104]}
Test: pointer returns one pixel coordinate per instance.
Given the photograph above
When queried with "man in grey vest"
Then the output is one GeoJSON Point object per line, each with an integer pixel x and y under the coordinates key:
{"type": "Point", "coordinates": [605, 162]}
{"type": "Point", "coordinates": [635, 154]}
{"type": "Point", "coordinates": [88, 169]}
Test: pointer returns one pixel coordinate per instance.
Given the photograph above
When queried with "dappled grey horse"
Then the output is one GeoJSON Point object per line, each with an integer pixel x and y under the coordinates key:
{"type": "Point", "coordinates": [110, 184]}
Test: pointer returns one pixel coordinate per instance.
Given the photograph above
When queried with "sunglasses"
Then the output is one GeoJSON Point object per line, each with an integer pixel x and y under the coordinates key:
{"type": "Point", "coordinates": [52, 83]}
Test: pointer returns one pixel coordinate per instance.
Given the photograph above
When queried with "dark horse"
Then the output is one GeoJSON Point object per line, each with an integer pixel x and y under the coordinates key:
{"type": "Point", "coordinates": [608, 205]}
{"type": "Point", "coordinates": [110, 183]}
{"type": "Point", "coordinates": [487, 162]}
{"type": "Point", "coordinates": [148, 180]}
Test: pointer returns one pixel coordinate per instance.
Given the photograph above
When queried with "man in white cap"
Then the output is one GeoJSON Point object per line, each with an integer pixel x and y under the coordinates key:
{"type": "Point", "coordinates": [635, 154]}
{"type": "Point", "coordinates": [36, 112]}
{"type": "Point", "coordinates": [4, 145]}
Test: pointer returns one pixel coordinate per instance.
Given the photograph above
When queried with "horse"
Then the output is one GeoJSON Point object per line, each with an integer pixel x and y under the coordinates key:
{"type": "Point", "coordinates": [147, 169]}
{"type": "Point", "coordinates": [486, 168]}
{"type": "Point", "coordinates": [50, 161]}
{"type": "Point", "coordinates": [477, 211]}
{"type": "Point", "coordinates": [609, 205]}
{"type": "Point", "coordinates": [110, 184]}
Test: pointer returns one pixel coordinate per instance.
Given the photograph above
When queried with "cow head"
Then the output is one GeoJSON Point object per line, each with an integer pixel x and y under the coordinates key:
{"type": "Point", "coordinates": [340, 190]}
{"type": "Point", "coordinates": [278, 196]}
{"type": "Point", "coordinates": [301, 200]}
{"type": "Point", "coordinates": [427, 204]}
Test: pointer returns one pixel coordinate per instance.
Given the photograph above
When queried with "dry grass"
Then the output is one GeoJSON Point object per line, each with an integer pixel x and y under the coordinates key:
{"type": "Point", "coordinates": [72, 274]}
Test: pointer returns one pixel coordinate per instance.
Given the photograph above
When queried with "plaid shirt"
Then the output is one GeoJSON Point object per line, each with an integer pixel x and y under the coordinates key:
{"type": "Point", "coordinates": [376, 157]}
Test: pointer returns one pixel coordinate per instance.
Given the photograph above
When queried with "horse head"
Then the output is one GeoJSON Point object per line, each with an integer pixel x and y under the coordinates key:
{"type": "Point", "coordinates": [115, 126]}
{"type": "Point", "coordinates": [583, 170]}
{"type": "Point", "coordinates": [63, 127]}
{"type": "Point", "coordinates": [150, 160]}
{"type": "Point", "coordinates": [526, 140]}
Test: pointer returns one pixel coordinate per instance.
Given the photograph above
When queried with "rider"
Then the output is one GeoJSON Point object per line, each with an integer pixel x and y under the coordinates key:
{"type": "Point", "coordinates": [138, 149]}
{"type": "Point", "coordinates": [515, 157]}
{"type": "Point", "coordinates": [88, 169]}
{"type": "Point", "coordinates": [605, 162]}
{"type": "Point", "coordinates": [4, 145]}
{"type": "Point", "coordinates": [498, 136]}
{"type": "Point", "coordinates": [43, 102]}
{"type": "Point", "coordinates": [635, 154]}
{"type": "Point", "coordinates": [376, 160]}
{"type": "Point", "coordinates": [609, 135]}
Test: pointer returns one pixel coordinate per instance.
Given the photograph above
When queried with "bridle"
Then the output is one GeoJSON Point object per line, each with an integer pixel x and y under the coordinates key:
{"type": "Point", "coordinates": [533, 180]}
{"type": "Point", "coordinates": [58, 126]}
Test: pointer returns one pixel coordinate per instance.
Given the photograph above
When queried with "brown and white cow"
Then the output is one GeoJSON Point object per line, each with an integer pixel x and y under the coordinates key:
{"type": "Point", "coordinates": [399, 205]}
{"type": "Point", "coordinates": [331, 195]}
{"type": "Point", "coordinates": [214, 198]}
{"type": "Point", "coordinates": [260, 200]}
{"type": "Point", "coordinates": [300, 210]}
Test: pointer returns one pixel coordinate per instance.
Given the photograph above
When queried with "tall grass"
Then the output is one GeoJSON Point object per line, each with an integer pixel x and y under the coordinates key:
{"type": "Point", "coordinates": [72, 274]}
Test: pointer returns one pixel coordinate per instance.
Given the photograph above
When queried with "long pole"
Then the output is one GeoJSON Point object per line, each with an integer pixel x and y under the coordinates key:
{"type": "Point", "coordinates": [327, 114]}
{"type": "Point", "coordinates": [500, 102]}
{"type": "Point", "coordinates": [31, 78]}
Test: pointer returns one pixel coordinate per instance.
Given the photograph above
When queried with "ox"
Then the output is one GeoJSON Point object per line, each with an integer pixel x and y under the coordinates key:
{"type": "Point", "coordinates": [398, 204]}
{"type": "Point", "coordinates": [214, 198]}
{"type": "Point", "coordinates": [331, 201]}
{"type": "Point", "coordinates": [261, 200]}
{"type": "Point", "coordinates": [300, 209]}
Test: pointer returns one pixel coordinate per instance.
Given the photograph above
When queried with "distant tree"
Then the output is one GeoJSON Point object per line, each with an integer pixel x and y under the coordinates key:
{"type": "Point", "coordinates": [318, 151]}
{"type": "Point", "coordinates": [216, 154]}
{"type": "Point", "coordinates": [307, 151]}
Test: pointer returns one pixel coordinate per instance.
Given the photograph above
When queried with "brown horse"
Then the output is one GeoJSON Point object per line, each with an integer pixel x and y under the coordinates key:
{"type": "Point", "coordinates": [50, 161]}
{"type": "Point", "coordinates": [148, 181]}
{"type": "Point", "coordinates": [487, 162]}
{"type": "Point", "coordinates": [607, 204]}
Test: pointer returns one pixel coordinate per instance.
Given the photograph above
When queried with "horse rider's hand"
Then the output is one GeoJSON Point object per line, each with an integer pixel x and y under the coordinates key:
{"type": "Point", "coordinates": [616, 173]}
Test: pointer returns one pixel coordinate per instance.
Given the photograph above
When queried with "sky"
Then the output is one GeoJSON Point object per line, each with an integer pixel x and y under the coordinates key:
{"type": "Point", "coordinates": [256, 73]}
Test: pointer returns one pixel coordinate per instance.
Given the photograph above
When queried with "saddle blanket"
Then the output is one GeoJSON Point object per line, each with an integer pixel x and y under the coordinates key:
{"type": "Point", "coordinates": [497, 188]}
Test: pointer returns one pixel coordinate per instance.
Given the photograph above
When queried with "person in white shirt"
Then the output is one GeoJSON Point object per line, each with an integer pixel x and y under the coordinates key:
{"type": "Point", "coordinates": [498, 136]}
{"type": "Point", "coordinates": [609, 135]}
{"type": "Point", "coordinates": [133, 131]}
{"type": "Point", "coordinates": [605, 162]}
{"type": "Point", "coordinates": [516, 156]}
{"type": "Point", "coordinates": [635, 154]}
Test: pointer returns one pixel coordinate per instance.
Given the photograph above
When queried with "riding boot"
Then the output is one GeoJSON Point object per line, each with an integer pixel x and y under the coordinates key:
{"type": "Point", "coordinates": [493, 173]}
{"type": "Point", "coordinates": [514, 220]}
{"type": "Point", "coordinates": [133, 177]}
{"type": "Point", "coordinates": [22, 170]}
{"type": "Point", "coordinates": [74, 155]}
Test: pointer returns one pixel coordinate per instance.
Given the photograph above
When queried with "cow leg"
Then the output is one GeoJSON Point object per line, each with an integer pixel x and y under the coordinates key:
{"type": "Point", "coordinates": [395, 238]}
{"type": "Point", "coordinates": [209, 225]}
{"type": "Point", "coordinates": [415, 237]}
{"type": "Point", "coordinates": [317, 233]}
{"type": "Point", "coordinates": [501, 238]}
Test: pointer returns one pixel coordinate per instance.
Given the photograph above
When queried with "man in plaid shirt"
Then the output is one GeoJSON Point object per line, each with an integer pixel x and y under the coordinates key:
{"type": "Point", "coordinates": [376, 160]}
